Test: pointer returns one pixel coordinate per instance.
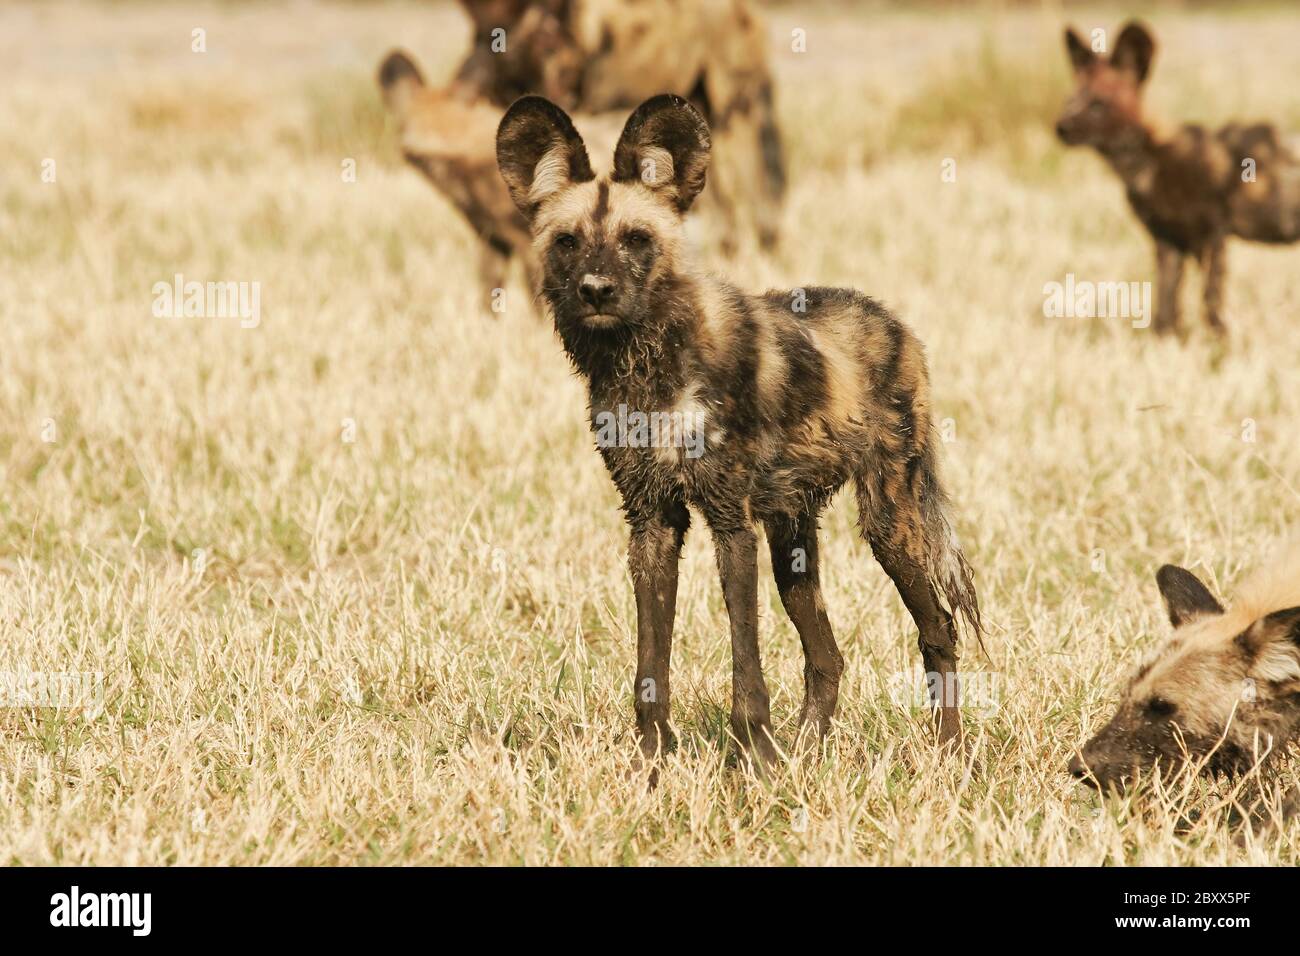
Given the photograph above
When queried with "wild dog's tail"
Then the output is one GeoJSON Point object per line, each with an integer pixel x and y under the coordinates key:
{"type": "Point", "coordinates": [949, 572]}
{"type": "Point", "coordinates": [769, 138]}
{"type": "Point", "coordinates": [903, 511]}
{"type": "Point", "coordinates": [902, 506]}
{"type": "Point", "coordinates": [773, 157]}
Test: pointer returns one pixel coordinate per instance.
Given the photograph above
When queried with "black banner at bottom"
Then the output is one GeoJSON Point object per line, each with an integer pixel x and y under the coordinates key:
{"type": "Point", "coordinates": [499, 906]}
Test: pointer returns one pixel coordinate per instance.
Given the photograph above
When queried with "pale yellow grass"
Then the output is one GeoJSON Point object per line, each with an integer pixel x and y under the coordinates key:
{"type": "Point", "coordinates": [417, 647]}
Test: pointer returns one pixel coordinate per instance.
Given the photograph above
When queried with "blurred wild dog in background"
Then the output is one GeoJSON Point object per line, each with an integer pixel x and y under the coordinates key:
{"type": "Point", "coordinates": [449, 134]}
{"type": "Point", "coordinates": [1223, 690]}
{"type": "Point", "coordinates": [1191, 187]}
{"type": "Point", "coordinates": [597, 56]}
{"type": "Point", "coordinates": [753, 409]}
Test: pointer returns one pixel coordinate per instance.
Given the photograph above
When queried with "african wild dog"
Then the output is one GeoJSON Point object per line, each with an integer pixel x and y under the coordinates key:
{"type": "Point", "coordinates": [1191, 188]}
{"type": "Point", "coordinates": [1224, 689]}
{"type": "Point", "coordinates": [790, 394]}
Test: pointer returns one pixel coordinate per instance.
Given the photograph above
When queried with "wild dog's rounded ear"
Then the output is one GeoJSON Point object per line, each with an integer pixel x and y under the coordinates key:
{"type": "Point", "coordinates": [539, 152]}
{"type": "Point", "coordinates": [665, 146]}
{"type": "Point", "coordinates": [1271, 647]}
{"type": "Point", "coordinates": [1185, 596]}
{"type": "Point", "coordinates": [399, 78]}
{"type": "Point", "coordinates": [1134, 50]}
{"type": "Point", "coordinates": [1284, 625]}
{"type": "Point", "coordinates": [1081, 54]}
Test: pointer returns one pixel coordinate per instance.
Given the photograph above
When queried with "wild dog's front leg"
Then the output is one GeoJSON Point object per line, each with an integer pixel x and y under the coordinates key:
{"type": "Point", "coordinates": [653, 553]}
{"type": "Point", "coordinates": [751, 720]}
{"type": "Point", "coordinates": [793, 544]}
{"type": "Point", "coordinates": [1213, 267]}
{"type": "Point", "coordinates": [1169, 276]}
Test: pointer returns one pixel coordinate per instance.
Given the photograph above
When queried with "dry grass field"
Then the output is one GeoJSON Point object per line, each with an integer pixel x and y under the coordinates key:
{"type": "Point", "coordinates": [355, 578]}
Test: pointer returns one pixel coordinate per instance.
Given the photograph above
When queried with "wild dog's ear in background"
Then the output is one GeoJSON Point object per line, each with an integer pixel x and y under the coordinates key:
{"type": "Point", "coordinates": [1185, 596]}
{"type": "Point", "coordinates": [665, 146]}
{"type": "Point", "coordinates": [539, 152]}
{"type": "Point", "coordinates": [1272, 646]}
{"type": "Point", "coordinates": [1081, 55]}
{"type": "Point", "coordinates": [1134, 50]}
{"type": "Point", "coordinates": [400, 80]}
{"type": "Point", "coordinates": [1280, 626]}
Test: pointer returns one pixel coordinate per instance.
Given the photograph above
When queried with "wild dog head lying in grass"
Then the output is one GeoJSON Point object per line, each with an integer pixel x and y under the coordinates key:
{"type": "Point", "coordinates": [1224, 690]}
{"type": "Point", "coordinates": [765, 404]}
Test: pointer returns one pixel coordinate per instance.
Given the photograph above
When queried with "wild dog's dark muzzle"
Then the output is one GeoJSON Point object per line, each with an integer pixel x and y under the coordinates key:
{"type": "Point", "coordinates": [597, 291]}
{"type": "Point", "coordinates": [1077, 768]}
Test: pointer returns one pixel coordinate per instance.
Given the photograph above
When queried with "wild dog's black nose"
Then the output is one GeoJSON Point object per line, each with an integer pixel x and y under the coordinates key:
{"type": "Point", "coordinates": [1060, 130]}
{"type": "Point", "coordinates": [596, 291]}
{"type": "Point", "coordinates": [1077, 768]}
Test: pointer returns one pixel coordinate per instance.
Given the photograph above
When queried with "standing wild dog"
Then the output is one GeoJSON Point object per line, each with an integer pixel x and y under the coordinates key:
{"type": "Point", "coordinates": [1192, 188]}
{"type": "Point", "coordinates": [753, 409]}
{"type": "Point", "coordinates": [1224, 689]}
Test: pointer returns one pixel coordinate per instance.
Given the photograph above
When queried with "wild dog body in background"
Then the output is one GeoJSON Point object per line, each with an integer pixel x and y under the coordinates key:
{"type": "Point", "coordinates": [1225, 688]}
{"type": "Point", "coordinates": [521, 47]}
{"type": "Point", "coordinates": [793, 393]}
{"type": "Point", "coordinates": [1191, 188]}
{"type": "Point", "coordinates": [602, 55]}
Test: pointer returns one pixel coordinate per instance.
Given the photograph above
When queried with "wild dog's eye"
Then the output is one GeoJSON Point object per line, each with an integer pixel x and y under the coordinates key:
{"type": "Point", "coordinates": [1159, 707]}
{"type": "Point", "coordinates": [566, 240]}
{"type": "Point", "coordinates": [637, 238]}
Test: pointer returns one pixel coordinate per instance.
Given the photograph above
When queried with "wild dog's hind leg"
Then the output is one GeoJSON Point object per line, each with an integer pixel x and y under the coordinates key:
{"type": "Point", "coordinates": [1169, 276]}
{"type": "Point", "coordinates": [653, 553]}
{"type": "Point", "coordinates": [938, 640]}
{"type": "Point", "coordinates": [793, 544]}
{"type": "Point", "coordinates": [1213, 267]}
